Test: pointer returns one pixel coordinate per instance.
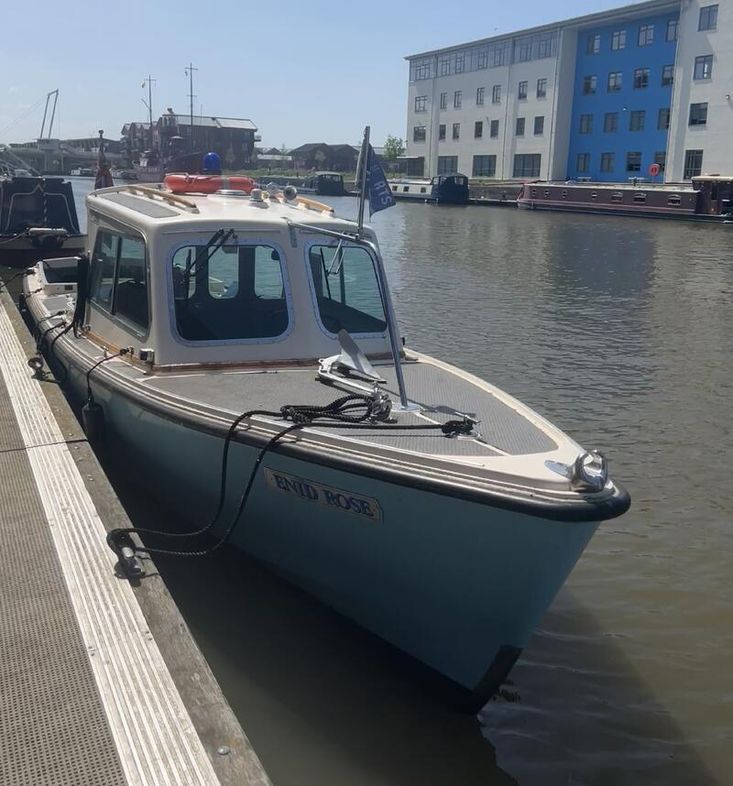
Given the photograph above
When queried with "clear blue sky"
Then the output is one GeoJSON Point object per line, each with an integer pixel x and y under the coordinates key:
{"type": "Point", "coordinates": [303, 71]}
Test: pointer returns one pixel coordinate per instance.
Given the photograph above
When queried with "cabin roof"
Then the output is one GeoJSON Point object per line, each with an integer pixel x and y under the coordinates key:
{"type": "Point", "coordinates": [151, 207]}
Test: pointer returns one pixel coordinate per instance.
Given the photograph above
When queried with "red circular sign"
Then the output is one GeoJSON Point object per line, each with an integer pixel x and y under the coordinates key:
{"type": "Point", "coordinates": [654, 169]}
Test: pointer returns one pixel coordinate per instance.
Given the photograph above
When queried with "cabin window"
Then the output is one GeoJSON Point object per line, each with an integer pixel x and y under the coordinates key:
{"type": "Point", "coordinates": [119, 283]}
{"type": "Point", "coordinates": [405, 189]}
{"type": "Point", "coordinates": [594, 195]}
{"type": "Point", "coordinates": [231, 293]}
{"type": "Point", "coordinates": [564, 194]}
{"type": "Point", "coordinates": [617, 196]}
{"type": "Point", "coordinates": [639, 197]}
{"type": "Point", "coordinates": [547, 193]}
{"type": "Point", "coordinates": [423, 190]}
{"type": "Point", "coordinates": [346, 289]}
{"type": "Point", "coordinates": [674, 200]}
{"type": "Point", "coordinates": [394, 188]}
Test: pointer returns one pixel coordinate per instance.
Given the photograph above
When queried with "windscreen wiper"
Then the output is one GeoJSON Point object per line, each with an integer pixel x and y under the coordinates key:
{"type": "Point", "coordinates": [216, 241]}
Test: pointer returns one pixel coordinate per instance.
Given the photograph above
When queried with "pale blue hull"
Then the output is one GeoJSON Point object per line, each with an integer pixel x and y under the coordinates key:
{"type": "Point", "coordinates": [449, 581]}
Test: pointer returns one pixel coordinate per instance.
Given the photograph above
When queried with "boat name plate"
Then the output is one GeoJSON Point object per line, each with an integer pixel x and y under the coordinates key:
{"type": "Point", "coordinates": [333, 498]}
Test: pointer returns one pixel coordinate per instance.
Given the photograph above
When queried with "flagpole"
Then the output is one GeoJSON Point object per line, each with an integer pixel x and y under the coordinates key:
{"type": "Point", "coordinates": [364, 160]}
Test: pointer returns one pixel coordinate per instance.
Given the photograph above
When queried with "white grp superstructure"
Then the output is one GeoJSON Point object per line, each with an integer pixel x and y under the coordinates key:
{"type": "Point", "coordinates": [510, 97]}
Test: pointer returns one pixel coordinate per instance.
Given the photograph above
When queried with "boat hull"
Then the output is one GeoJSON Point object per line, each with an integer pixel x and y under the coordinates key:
{"type": "Point", "coordinates": [21, 252]}
{"type": "Point", "coordinates": [456, 584]}
{"type": "Point", "coordinates": [528, 204]}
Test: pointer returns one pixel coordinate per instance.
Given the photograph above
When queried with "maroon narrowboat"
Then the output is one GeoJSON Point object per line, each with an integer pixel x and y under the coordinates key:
{"type": "Point", "coordinates": [709, 198]}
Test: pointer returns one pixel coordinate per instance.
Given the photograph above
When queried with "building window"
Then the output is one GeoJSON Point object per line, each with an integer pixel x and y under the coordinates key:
{"type": "Point", "coordinates": [441, 132]}
{"type": "Point", "coordinates": [520, 126]}
{"type": "Point", "coordinates": [618, 40]}
{"type": "Point", "coordinates": [478, 129]}
{"type": "Point", "coordinates": [663, 119]}
{"type": "Point", "coordinates": [545, 45]}
{"type": "Point", "coordinates": [447, 165]}
{"type": "Point", "coordinates": [494, 129]}
{"type": "Point", "coordinates": [660, 159]}
{"type": "Point", "coordinates": [583, 162]}
{"type": "Point", "coordinates": [496, 94]}
{"type": "Point", "coordinates": [586, 124]}
{"type": "Point", "coordinates": [636, 120]}
{"type": "Point", "coordinates": [667, 75]}
{"type": "Point", "coordinates": [527, 165]}
{"type": "Point", "coordinates": [589, 84]}
{"type": "Point", "coordinates": [539, 125]}
{"type": "Point", "coordinates": [522, 93]}
{"type": "Point", "coordinates": [541, 88]}
{"type": "Point", "coordinates": [421, 103]}
{"type": "Point", "coordinates": [456, 130]}
{"type": "Point", "coordinates": [593, 45]}
{"type": "Point", "coordinates": [460, 63]}
{"type": "Point", "coordinates": [672, 30]}
{"type": "Point", "coordinates": [418, 134]}
{"type": "Point", "coordinates": [482, 60]}
{"type": "Point", "coordinates": [615, 81]}
{"type": "Point", "coordinates": [641, 78]}
{"type": "Point", "coordinates": [610, 122]}
{"type": "Point", "coordinates": [693, 164]}
{"type": "Point", "coordinates": [484, 166]}
{"type": "Point", "coordinates": [480, 91]}
{"type": "Point", "coordinates": [444, 100]}
{"type": "Point", "coordinates": [524, 49]}
{"type": "Point", "coordinates": [421, 71]}
{"type": "Point", "coordinates": [646, 35]}
{"type": "Point", "coordinates": [457, 99]}
{"type": "Point", "coordinates": [699, 114]}
{"type": "Point", "coordinates": [708, 18]}
{"type": "Point", "coordinates": [607, 162]}
{"type": "Point", "coordinates": [499, 56]}
{"type": "Point", "coordinates": [633, 162]}
{"type": "Point", "coordinates": [444, 66]}
{"type": "Point", "coordinates": [703, 67]}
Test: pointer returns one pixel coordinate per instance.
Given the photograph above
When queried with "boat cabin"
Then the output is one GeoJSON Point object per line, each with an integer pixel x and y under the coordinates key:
{"type": "Point", "coordinates": [449, 189]}
{"type": "Point", "coordinates": [714, 194]}
{"type": "Point", "coordinates": [325, 184]}
{"type": "Point", "coordinates": [227, 278]}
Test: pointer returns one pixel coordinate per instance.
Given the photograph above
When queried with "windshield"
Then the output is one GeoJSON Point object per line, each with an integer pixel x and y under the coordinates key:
{"type": "Point", "coordinates": [346, 288]}
{"type": "Point", "coordinates": [229, 292]}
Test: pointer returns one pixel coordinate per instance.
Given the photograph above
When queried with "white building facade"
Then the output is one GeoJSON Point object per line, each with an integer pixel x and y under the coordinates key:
{"type": "Point", "coordinates": [522, 106]}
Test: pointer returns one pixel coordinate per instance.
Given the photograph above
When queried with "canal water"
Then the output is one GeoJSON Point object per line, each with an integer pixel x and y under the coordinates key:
{"type": "Point", "coordinates": [621, 332]}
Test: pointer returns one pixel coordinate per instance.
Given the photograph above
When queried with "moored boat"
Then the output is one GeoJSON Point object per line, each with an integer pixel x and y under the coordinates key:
{"type": "Point", "coordinates": [707, 198]}
{"type": "Point", "coordinates": [324, 184]}
{"type": "Point", "coordinates": [443, 189]}
{"type": "Point", "coordinates": [204, 326]}
{"type": "Point", "coordinates": [37, 218]}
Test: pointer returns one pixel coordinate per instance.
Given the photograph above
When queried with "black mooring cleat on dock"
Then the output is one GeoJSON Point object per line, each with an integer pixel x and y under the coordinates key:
{"type": "Point", "coordinates": [101, 682]}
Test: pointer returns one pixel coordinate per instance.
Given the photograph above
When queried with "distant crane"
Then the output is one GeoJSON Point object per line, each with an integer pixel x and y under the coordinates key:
{"type": "Point", "coordinates": [55, 94]}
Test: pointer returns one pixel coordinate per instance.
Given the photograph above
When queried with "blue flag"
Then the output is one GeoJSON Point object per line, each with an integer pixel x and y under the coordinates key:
{"type": "Point", "coordinates": [377, 187]}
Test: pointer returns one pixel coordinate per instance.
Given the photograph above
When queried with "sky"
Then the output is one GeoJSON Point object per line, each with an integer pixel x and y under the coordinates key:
{"type": "Point", "coordinates": [312, 71]}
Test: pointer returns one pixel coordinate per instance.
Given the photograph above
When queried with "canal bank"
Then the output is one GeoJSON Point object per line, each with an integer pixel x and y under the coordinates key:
{"type": "Point", "coordinates": [103, 682]}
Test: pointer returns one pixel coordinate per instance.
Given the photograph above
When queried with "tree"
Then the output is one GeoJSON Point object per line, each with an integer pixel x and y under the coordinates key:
{"type": "Point", "coordinates": [394, 147]}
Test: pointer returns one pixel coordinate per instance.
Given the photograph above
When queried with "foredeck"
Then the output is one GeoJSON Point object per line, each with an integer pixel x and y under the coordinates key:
{"type": "Point", "coordinates": [100, 683]}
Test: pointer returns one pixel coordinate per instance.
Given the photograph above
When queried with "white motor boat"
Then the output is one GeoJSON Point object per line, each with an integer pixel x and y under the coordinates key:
{"type": "Point", "coordinates": [243, 352]}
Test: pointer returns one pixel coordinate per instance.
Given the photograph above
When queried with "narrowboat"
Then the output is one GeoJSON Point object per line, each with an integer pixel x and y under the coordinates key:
{"type": "Point", "coordinates": [442, 189]}
{"type": "Point", "coordinates": [707, 198]}
{"type": "Point", "coordinates": [37, 218]}
{"type": "Point", "coordinates": [324, 184]}
{"type": "Point", "coordinates": [242, 354]}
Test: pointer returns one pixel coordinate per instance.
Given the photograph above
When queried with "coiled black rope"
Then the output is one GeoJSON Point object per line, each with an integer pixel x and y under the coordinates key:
{"type": "Point", "coordinates": [352, 411]}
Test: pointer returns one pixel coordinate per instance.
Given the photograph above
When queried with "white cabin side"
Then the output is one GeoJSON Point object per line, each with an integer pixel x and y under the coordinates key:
{"type": "Point", "coordinates": [272, 293]}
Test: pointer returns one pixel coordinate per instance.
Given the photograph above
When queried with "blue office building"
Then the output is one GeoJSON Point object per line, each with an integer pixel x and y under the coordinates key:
{"type": "Point", "coordinates": [624, 75]}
